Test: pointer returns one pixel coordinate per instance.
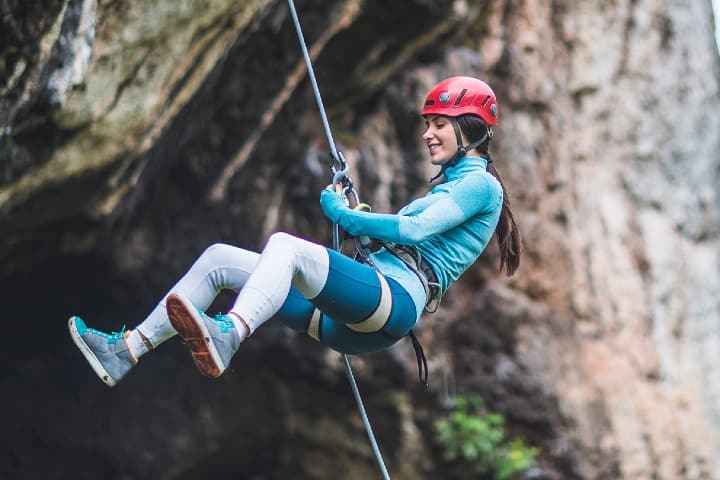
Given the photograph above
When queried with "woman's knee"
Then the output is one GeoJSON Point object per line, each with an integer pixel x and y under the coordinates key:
{"type": "Point", "coordinates": [283, 241]}
{"type": "Point", "coordinates": [306, 261]}
{"type": "Point", "coordinates": [285, 245]}
{"type": "Point", "coordinates": [222, 255]}
{"type": "Point", "coordinates": [215, 253]}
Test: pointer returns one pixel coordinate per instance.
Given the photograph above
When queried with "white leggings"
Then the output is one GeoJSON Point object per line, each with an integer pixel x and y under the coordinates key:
{"type": "Point", "coordinates": [264, 281]}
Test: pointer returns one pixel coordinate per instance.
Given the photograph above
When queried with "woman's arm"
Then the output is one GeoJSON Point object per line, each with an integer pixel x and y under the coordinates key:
{"type": "Point", "coordinates": [469, 196]}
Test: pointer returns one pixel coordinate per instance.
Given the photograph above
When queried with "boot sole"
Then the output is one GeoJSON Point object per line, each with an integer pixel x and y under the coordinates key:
{"type": "Point", "coordinates": [185, 318]}
{"type": "Point", "coordinates": [89, 355]}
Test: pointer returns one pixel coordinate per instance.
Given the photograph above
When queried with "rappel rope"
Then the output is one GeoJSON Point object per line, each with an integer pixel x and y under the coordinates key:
{"type": "Point", "coordinates": [339, 175]}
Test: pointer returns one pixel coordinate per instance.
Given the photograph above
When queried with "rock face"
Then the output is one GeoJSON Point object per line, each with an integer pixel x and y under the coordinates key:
{"type": "Point", "coordinates": [135, 133]}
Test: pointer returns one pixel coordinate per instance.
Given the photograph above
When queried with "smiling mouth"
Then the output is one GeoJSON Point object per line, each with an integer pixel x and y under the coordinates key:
{"type": "Point", "coordinates": [433, 147]}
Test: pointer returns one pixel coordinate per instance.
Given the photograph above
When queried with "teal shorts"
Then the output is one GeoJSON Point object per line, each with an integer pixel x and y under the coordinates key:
{"type": "Point", "coordinates": [358, 311]}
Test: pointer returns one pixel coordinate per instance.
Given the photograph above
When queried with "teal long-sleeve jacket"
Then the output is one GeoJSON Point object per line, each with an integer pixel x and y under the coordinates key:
{"type": "Point", "coordinates": [450, 226]}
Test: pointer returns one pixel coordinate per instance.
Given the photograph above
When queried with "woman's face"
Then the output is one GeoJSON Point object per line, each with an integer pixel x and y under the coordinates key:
{"type": "Point", "coordinates": [440, 139]}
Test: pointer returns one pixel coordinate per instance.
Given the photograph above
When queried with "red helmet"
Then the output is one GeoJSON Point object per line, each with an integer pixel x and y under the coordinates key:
{"type": "Point", "coordinates": [457, 96]}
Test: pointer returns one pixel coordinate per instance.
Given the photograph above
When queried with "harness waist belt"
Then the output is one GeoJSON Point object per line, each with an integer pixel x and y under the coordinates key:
{"type": "Point", "coordinates": [413, 259]}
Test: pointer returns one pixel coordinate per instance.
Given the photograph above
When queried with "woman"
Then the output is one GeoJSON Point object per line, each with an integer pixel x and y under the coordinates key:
{"type": "Point", "coordinates": [350, 306]}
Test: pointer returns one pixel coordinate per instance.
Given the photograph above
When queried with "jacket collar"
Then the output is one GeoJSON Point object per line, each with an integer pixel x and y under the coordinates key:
{"type": "Point", "coordinates": [464, 166]}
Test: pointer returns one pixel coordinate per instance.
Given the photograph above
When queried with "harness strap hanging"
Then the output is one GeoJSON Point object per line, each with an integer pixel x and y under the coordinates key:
{"type": "Point", "coordinates": [421, 360]}
{"type": "Point", "coordinates": [338, 176]}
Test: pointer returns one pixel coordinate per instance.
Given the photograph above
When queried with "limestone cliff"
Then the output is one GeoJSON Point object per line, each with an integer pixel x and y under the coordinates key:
{"type": "Point", "coordinates": [137, 132]}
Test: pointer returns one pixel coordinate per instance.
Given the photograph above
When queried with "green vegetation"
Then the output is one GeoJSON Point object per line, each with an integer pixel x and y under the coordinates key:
{"type": "Point", "coordinates": [474, 444]}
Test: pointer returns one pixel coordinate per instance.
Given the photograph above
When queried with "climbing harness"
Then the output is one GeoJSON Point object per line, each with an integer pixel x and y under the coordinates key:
{"type": "Point", "coordinates": [339, 176]}
{"type": "Point", "coordinates": [414, 260]}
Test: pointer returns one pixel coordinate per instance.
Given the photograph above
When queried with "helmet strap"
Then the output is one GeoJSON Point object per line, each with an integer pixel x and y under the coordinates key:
{"type": "Point", "coordinates": [463, 150]}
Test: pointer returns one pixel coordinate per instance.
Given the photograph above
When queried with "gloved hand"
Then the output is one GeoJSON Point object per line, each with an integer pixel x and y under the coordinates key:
{"type": "Point", "coordinates": [333, 204]}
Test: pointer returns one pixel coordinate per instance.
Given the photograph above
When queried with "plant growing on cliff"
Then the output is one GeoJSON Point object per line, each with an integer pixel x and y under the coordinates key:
{"type": "Point", "coordinates": [474, 444]}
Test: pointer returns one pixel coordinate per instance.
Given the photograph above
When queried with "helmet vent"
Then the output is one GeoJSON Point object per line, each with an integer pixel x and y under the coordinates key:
{"type": "Point", "coordinates": [485, 101]}
{"type": "Point", "coordinates": [460, 97]}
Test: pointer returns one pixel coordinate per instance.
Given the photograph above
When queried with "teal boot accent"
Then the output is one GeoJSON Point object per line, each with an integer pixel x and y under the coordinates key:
{"type": "Point", "coordinates": [107, 353]}
{"type": "Point", "coordinates": [212, 341]}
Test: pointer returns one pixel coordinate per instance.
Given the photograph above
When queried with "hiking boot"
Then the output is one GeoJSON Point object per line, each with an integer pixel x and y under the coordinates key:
{"type": "Point", "coordinates": [107, 353]}
{"type": "Point", "coordinates": [212, 341]}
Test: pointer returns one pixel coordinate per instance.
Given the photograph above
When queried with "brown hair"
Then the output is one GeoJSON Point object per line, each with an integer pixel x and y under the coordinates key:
{"type": "Point", "coordinates": [507, 233]}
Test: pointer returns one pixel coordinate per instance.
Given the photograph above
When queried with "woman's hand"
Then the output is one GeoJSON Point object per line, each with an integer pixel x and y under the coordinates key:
{"type": "Point", "coordinates": [338, 188]}
{"type": "Point", "coordinates": [332, 202]}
